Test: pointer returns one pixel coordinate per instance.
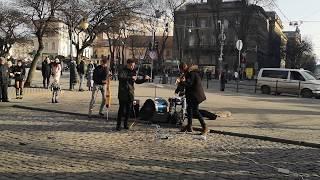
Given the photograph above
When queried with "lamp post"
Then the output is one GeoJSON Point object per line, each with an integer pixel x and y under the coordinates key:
{"type": "Point", "coordinates": [222, 38]}
{"type": "Point", "coordinates": [83, 26]}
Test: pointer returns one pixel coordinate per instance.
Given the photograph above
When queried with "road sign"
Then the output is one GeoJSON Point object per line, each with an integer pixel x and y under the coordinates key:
{"type": "Point", "coordinates": [239, 45]}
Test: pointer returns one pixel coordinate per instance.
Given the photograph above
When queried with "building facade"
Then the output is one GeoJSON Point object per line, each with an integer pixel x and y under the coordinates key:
{"type": "Point", "coordinates": [57, 41]}
{"type": "Point", "coordinates": [198, 37]}
{"type": "Point", "coordinates": [22, 50]}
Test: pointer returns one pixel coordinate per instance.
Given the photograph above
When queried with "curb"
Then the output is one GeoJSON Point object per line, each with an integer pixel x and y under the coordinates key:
{"type": "Point", "coordinates": [59, 112]}
{"type": "Point", "coordinates": [263, 138]}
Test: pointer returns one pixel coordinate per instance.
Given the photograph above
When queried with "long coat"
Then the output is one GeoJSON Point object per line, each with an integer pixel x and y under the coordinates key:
{"type": "Point", "coordinates": [194, 90]}
{"type": "Point", "coordinates": [46, 69]}
{"type": "Point", "coordinates": [4, 75]}
{"type": "Point", "coordinates": [73, 72]}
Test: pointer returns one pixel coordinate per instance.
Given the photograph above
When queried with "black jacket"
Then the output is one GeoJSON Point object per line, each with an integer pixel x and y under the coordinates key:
{"type": "Point", "coordinates": [193, 87]}
{"type": "Point", "coordinates": [19, 72]}
{"type": "Point", "coordinates": [100, 74]}
{"type": "Point", "coordinates": [4, 74]}
{"type": "Point", "coordinates": [46, 69]}
{"type": "Point", "coordinates": [81, 68]}
{"type": "Point", "coordinates": [126, 85]}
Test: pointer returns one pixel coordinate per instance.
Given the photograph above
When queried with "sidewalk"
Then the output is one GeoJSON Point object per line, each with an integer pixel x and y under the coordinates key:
{"type": "Point", "coordinates": [278, 117]}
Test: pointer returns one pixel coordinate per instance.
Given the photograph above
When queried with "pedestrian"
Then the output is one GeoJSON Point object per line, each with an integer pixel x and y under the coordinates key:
{"type": "Point", "coordinates": [55, 86]}
{"type": "Point", "coordinates": [4, 80]}
{"type": "Point", "coordinates": [89, 75]}
{"type": "Point", "coordinates": [100, 83]}
{"type": "Point", "coordinates": [73, 74]}
{"type": "Point", "coordinates": [81, 72]}
{"type": "Point", "coordinates": [223, 80]}
{"type": "Point", "coordinates": [46, 72]}
{"type": "Point", "coordinates": [10, 68]}
{"type": "Point", "coordinates": [127, 77]}
{"type": "Point", "coordinates": [194, 94]}
{"type": "Point", "coordinates": [236, 76]}
{"type": "Point", "coordinates": [19, 72]}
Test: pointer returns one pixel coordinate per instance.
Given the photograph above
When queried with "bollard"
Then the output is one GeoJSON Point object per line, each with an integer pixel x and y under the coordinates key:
{"type": "Point", "coordinates": [255, 86]}
{"type": "Point", "coordinates": [276, 93]}
{"type": "Point", "coordinates": [299, 94]}
{"type": "Point", "coordinates": [237, 86]}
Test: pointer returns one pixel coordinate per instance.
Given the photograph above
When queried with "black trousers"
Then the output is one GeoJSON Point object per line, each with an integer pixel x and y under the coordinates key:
{"type": "Point", "coordinates": [46, 80]}
{"type": "Point", "coordinates": [124, 111]}
{"type": "Point", "coordinates": [4, 92]}
{"type": "Point", "coordinates": [193, 111]}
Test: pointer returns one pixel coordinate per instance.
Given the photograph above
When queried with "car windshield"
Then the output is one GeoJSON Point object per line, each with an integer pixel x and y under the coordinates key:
{"type": "Point", "coordinates": [308, 75]}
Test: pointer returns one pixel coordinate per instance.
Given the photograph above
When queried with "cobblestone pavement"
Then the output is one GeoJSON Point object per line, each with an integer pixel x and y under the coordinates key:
{"type": "Point", "coordinates": [38, 145]}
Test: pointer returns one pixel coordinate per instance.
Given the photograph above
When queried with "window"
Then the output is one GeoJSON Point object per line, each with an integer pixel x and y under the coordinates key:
{"type": "Point", "coordinates": [203, 23]}
{"type": "Point", "coordinates": [275, 74]}
{"type": "Point", "coordinates": [191, 40]}
{"type": "Point", "coordinates": [296, 76]}
{"type": "Point", "coordinates": [53, 46]}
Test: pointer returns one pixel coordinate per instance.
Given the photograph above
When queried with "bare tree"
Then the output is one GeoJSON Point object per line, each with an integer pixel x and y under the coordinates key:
{"type": "Point", "coordinates": [301, 55]}
{"type": "Point", "coordinates": [40, 13]}
{"type": "Point", "coordinates": [11, 28]}
{"type": "Point", "coordinates": [101, 16]}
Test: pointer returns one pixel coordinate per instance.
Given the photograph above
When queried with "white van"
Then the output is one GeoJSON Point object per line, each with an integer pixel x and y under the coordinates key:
{"type": "Point", "coordinates": [291, 81]}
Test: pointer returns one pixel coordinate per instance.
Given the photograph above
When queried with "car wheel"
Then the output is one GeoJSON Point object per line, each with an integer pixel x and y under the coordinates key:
{"type": "Point", "coordinates": [306, 93]}
{"type": "Point", "coordinates": [265, 90]}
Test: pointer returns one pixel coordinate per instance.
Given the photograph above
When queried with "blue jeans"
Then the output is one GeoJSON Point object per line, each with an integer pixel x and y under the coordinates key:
{"type": "Point", "coordinates": [102, 89]}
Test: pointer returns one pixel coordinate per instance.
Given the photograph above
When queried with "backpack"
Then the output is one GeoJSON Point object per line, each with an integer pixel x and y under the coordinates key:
{"type": "Point", "coordinates": [147, 110]}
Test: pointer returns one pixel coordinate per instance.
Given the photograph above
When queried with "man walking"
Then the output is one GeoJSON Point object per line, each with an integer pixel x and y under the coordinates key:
{"type": "Point", "coordinates": [127, 77]}
{"type": "Point", "coordinates": [194, 95]}
{"type": "Point", "coordinates": [4, 80]}
{"type": "Point", "coordinates": [100, 79]}
{"type": "Point", "coordinates": [46, 72]}
{"type": "Point", "coordinates": [81, 71]}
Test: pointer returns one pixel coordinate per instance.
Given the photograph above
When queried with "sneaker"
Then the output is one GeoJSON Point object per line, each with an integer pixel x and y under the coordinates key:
{"type": "Point", "coordinates": [20, 97]}
{"type": "Point", "coordinates": [101, 114]}
{"type": "Point", "coordinates": [56, 101]}
{"type": "Point", "coordinates": [205, 131]}
{"type": "Point", "coordinates": [118, 128]}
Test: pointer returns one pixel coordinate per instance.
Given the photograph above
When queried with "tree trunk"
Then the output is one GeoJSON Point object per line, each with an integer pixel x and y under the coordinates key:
{"type": "Point", "coordinates": [34, 63]}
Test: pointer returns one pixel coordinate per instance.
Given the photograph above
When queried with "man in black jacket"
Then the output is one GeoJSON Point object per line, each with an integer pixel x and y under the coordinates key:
{"type": "Point", "coordinates": [46, 72]}
{"type": "Point", "coordinates": [194, 94]}
{"type": "Point", "coordinates": [127, 78]}
{"type": "Point", "coordinates": [101, 80]}
{"type": "Point", "coordinates": [4, 80]}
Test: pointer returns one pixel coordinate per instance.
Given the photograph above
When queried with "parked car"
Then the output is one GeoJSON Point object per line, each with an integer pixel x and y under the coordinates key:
{"type": "Point", "coordinates": [291, 81]}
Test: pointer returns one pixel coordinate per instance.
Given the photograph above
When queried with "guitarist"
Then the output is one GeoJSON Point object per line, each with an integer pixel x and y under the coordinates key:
{"type": "Point", "coordinates": [101, 79]}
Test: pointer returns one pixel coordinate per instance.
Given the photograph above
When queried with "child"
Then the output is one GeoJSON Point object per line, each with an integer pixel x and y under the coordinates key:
{"type": "Point", "coordinates": [55, 88]}
{"type": "Point", "coordinates": [19, 72]}
{"type": "Point", "coordinates": [89, 74]}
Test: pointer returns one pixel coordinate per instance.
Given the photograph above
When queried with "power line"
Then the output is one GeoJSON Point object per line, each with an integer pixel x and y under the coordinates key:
{"type": "Point", "coordinates": [275, 4]}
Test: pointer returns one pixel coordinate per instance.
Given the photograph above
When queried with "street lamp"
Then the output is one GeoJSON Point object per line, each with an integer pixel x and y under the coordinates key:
{"type": "Point", "coordinates": [157, 16]}
{"type": "Point", "coordinates": [83, 26]}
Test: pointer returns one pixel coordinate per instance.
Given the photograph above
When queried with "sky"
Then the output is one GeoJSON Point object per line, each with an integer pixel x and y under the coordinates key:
{"type": "Point", "coordinates": [302, 10]}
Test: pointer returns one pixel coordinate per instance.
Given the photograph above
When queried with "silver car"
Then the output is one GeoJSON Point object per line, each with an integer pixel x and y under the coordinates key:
{"type": "Point", "coordinates": [291, 81]}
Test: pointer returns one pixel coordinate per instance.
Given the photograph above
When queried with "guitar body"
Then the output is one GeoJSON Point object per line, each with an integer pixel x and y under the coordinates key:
{"type": "Point", "coordinates": [108, 94]}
